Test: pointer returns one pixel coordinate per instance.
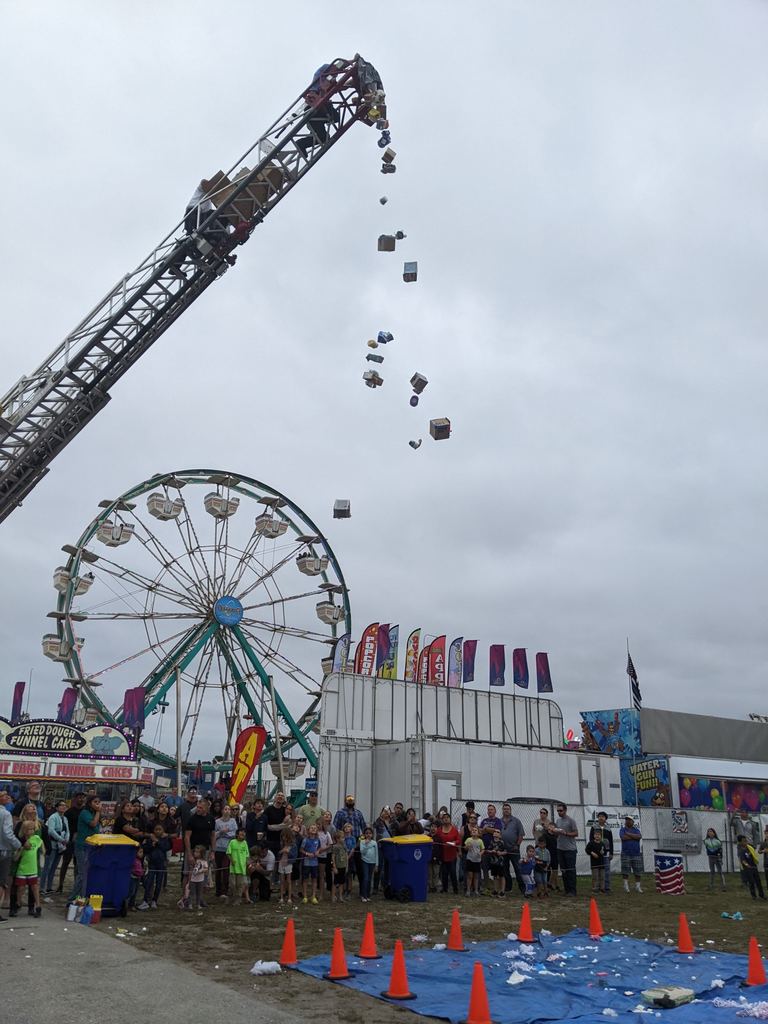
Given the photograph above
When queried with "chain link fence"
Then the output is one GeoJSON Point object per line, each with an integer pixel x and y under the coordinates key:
{"type": "Point", "coordinates": [661, 828]}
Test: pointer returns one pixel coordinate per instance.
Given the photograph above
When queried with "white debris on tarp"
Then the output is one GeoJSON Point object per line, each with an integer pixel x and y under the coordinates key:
{"type": "Point", "coordinates": [717, 983]}
{"type": "Point", "coordinates": [641, 1009]}
{"type": "Point", "coordinates": [266, 967]}
{"type": "Point", "coordinates": [420, 938]}
{"type": "Point", "coordinates": [527, 951]}
{"type": "Point", "coordinates": [608, 1012]}
{"type": "Point", "coordinates": [512, 937]}
{"type": "Point", "coordinates": [757, 1011]}
{"type": "Point", "coordinates": [518, 965]}
{"type": "Point", "coordinates": [516, 978]}
{"type": "Point", "coordinates": [439, 945]}
{"type": "Point", "coordinates": [544, 932]}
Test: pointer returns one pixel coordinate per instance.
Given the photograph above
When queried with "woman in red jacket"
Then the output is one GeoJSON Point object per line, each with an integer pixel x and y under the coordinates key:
{"type": "Point", "coordinates": [447, 848]}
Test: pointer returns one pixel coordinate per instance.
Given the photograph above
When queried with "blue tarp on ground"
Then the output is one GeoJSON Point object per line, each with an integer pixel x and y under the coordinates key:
{"type": "Point", "coordinates": [567, 978]}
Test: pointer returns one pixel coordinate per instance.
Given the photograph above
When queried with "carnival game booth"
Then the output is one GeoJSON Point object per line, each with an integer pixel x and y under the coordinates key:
{"type": "Point", "coordinates": [65, 757]}
{"type": "Point", "coordinates": [386, 739]}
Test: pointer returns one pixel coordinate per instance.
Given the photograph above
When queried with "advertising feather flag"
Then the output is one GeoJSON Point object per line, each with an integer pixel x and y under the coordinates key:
{"type": "Point", "coordinates": [468, 660]}
{"type": "Point", "coordinates": [454, 662]}
{"type": "Point", "coordinates": [436, 671]}
{"type": "Point", "coordinates": [520, 667]}
{"type": "Point", "coordinates": [422, 672]}
{"type": "Point", "coordinates": [382, 645]}
{"type": "Point", "coordinates": [248, 748]}
{"type": "Point", "coordinates": [388, 668]}
{"type": "Point", "coordinates": [543, 677]}
{"type": "Point", "coordinates": [412, 656]}
{"type": "Point", "coordinates": [496, 665]}
{"type": "Point", "coordinates": [365, 655]}
{"type": "Point", "coordinates": [341, 653]}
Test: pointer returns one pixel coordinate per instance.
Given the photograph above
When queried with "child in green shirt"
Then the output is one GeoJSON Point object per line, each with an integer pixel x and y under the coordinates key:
{"type": "Point", "coordinates": [237, 851]}
{"type": "Point", "coordinates": [28, 858]}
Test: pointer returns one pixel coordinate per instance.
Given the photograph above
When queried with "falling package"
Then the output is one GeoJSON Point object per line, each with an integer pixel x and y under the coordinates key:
{"type": "Point", "coordinates": [342, 509]}
{"type": "Point", "coordinates": [440, 429]}
{"type": "Point", "coordinates": [388, 156]}
{"type": "Point", "coordinates": [386, 243]}
{"type": "Point", "coordinates": [410, 271]}
{"type": "Point", "coordinates": [418, 382]}
{"type": "Point", "coordinates": [372, 379]}
{"type": "Point", "coordinates": [383, 200]}
{"type": "Point", "coordinates": [668, 996]}
{"type": "Point", "coordinates": [388, 168]}
{"type": "Point", "coordinates": [373, 358]}
{"type": "Point", "coordinates": [414, 400]}
{"type": "Point", "coordinates": [415, 444]}
{"type": "Point", "coordinates": [384, 337]}
{"type": "Point", "coordinates": [373, 344]}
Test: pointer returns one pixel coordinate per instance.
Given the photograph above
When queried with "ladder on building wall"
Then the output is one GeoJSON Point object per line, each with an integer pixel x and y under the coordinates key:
{"type": "Point", "coordinates": [417, 774]}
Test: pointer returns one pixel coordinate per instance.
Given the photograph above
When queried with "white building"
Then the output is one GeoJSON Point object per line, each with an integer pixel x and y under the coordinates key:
{"type": "Point", "coordinates": [385, 740]}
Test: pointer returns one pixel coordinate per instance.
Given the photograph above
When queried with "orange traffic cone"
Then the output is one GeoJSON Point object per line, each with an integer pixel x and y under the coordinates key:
{"type": "Point", "coordinates": [339, 970]}
{"type": "Point", "coordinates": [368, 949]}
{"type": "Point", "coordinates": [288, 956]}
{"type": "Point", "coordinates": [455, 941]}
{"type": "Point", "coordinates": [756, 968]}
{"type": "Point", "coordinates": [398, 979]}
{"type": "Point", "coordinates": [684, 940]}
{"type": "Point", "coordinates": [525, 932]}
{"type": "Point", "coordinates": [595, 924]}
{"type": "Point", "coordinates": [479, 1011]}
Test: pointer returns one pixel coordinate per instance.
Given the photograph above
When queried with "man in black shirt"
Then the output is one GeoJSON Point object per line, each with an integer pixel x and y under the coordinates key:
{"type": "Point", "coordinates": [256, 825]}
{"type": "Point", "coordinates": [275, 817]}
{"type": "Point", "coordinates": [188, 808]}
{"type": "Point", "coordinates": [199, 830]}
{"type": "Point", "coordinates": [71, 814]}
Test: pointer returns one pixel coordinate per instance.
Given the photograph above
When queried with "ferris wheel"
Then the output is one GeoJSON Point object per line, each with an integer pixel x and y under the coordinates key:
{"type": "Point", "coordinates": [217, 594]}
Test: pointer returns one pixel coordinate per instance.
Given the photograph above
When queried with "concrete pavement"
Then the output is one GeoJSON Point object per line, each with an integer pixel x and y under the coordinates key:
{"type": "Point", "coordinates": [79, 975]}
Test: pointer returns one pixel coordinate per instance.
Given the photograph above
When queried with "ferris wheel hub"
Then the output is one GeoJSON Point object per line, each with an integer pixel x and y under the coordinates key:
{"type": "Point", "coordinates": [228, 611]}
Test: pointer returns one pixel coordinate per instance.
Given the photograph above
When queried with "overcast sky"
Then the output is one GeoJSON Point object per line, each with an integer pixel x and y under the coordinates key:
{"type": "Point", "coordinates": [584, 188]}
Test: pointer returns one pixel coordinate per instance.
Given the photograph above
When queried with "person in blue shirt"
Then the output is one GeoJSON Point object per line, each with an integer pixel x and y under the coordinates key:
{"type": "Point", "coordinates": [88, 824]}
{"type": "Point", "coordinates": [349, 815]}
{"type": "Point", "coordinates": [631, 853]}
{"type": "Point", "coordinates": [309, 849]}
{"type": "Point", "coordinates": [173, 799]}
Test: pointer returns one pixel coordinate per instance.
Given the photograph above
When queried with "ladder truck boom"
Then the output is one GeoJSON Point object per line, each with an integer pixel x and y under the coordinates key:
{"type": "Point", "coordinates": [41, 414]}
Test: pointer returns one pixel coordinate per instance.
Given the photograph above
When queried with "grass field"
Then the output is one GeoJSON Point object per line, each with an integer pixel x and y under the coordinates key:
{"type": "Point", "coordinates": [223, 941]}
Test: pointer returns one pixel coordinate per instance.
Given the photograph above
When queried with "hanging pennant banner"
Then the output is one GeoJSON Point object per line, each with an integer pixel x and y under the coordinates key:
{"type": "Point", "coordinates": [133, 708]}
{"type": "Point", "coordinates": [436, 671]}
{"type": "Point", "coordinates": [454, 661]}
{"type": "Point", "coordinates": [248, 748]}
{"type": "Point", "coordinates": [468, 661]}
{"type": "Point", "coordinates": [365, 655]}
{"type": "Point", "coordinates": [412, 656]}
{"type": "Point", "coordinates": [497, 665]}
{"type": "Point", "coordinates": [18, 702]}
{"type": "Point", "coordinates": [543, 677]}
{"type": "Point", "coordinates": [389, 665]}
{"type": "Point", "coordinates": [520, 667]}
{"type": "Point", "coordinates": [67, 707]}
{"type": "Point", "coordinates": [422, 673]}
{"type": "Point", "coordinates": [341, 652]}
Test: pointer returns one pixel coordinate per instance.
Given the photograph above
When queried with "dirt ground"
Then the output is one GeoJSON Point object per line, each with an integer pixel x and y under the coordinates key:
{"type": "Point", "coordinates": [223, 941]}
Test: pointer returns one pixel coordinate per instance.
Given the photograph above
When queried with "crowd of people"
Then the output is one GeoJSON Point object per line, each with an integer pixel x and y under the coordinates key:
{"type": "Point", "coordinates": [253, 852]}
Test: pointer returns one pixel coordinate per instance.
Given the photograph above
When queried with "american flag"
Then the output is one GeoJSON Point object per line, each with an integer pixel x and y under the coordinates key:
{"type": "Point", "coordinates": [669, 874]}
{"type": "Point", "coordinates": [637, 698]}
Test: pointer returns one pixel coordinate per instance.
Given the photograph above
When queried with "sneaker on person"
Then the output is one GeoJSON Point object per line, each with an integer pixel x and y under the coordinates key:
{"type": "Point", "coordinates": [143, 905]}
{"type": "Point", "coordinates": [638, 887]}
{"type": "Point", "coordinates": [153, 905]}
{"type": "Point", "coordinates": [314, 900]}
{"type": "Point", "coordinates": [305, 900]}
{"type": "Point", "coordinates": [626, 885]}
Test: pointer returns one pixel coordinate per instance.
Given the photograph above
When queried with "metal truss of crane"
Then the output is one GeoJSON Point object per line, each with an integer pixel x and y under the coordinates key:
{"type": "Point", "coordinates": [43, 412]}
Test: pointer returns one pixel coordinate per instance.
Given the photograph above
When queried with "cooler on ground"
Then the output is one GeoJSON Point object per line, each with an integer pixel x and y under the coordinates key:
{"type": "Point", "coordinates": [110, 859]}
{"type": "Point", "coordinates": [407, 859]}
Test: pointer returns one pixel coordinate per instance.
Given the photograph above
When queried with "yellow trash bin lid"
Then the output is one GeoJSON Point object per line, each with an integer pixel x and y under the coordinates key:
{"type": "Point", "coordinates": [408, 840]}
{"type": "Point", "coordinates": [106, 839]}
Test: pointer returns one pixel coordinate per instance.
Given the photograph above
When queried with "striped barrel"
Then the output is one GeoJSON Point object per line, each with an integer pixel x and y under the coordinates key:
{"type": "Point", "coordinates": [668, 871]}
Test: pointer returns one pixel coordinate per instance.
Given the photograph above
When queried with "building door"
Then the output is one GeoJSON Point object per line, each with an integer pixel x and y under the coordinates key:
{"type": "Point", "coordinates": [446, 786]}
{"type": "Point", "coordinates": [589, 781]}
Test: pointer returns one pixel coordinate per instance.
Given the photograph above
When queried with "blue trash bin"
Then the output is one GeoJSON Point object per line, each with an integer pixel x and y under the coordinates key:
{"type": "Point", "coordinates": [408, 860]}
{"type": "Point", "coordinates": [110, 859]}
